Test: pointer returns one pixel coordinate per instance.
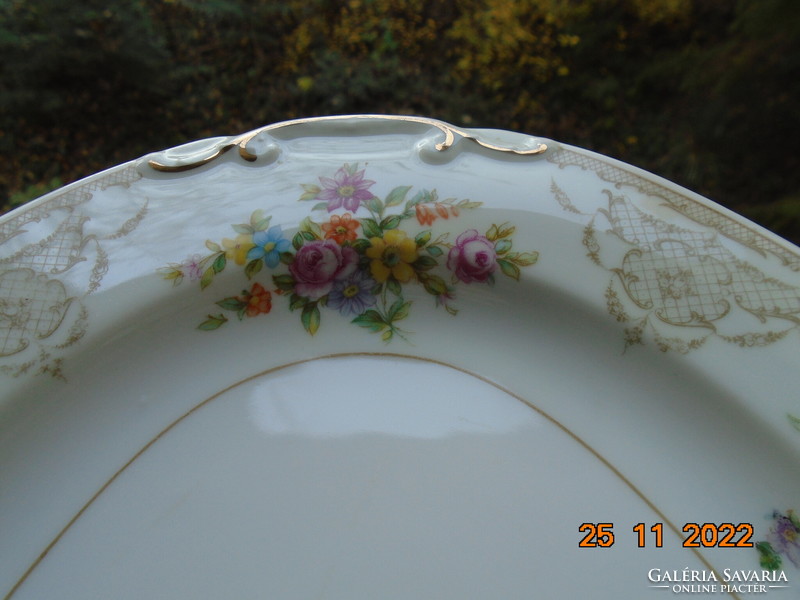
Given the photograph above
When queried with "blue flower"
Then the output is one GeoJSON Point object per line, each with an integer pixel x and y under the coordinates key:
{"type": "Point", "coordinates": [269, 245]}
{"type": "Point", "coordinates": [352, 295]}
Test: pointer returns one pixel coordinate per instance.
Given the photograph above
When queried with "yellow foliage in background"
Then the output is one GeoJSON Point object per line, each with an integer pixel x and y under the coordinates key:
{"type": "Point", "coordinates": [665, 84]}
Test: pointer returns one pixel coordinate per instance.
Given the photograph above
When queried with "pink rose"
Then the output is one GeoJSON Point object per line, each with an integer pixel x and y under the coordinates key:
{"type": "Point", "coordinates": [472, 258]}
{"type": "Point", "coordinates": [318, 264]}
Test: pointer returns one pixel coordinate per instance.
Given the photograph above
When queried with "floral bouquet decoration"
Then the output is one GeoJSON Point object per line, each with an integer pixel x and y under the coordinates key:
{"type": "Point", "coordinates": [358, 261]}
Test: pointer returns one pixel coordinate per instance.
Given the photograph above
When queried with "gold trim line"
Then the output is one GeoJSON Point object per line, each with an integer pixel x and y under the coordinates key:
{"type": "Point", "coordinates": [241, 141]}
{"type": "Point", "coordinates": [269, 371]}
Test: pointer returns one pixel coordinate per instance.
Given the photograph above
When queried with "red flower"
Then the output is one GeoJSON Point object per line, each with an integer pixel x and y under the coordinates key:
{"type": "Point", "coordinates": [341, 229]}
{"type": "Point", "coordinates": [259, 301]}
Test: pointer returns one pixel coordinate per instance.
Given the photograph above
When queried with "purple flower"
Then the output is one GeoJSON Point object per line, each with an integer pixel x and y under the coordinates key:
{"type": "Point", "coordinates": [269, 245]}
{"type": "Point", "coordinates": [352, 295]}
{"type": "Point", "coordinates": [192, 267]}
{"type": "Point", "coordinates": [347, 188]}
{"type": "Point", "coordinates": [318, 264]}
{"type": "Point", "coordinates": [472, 258]}
{"type": "Point", "coordinates": [785, 537]}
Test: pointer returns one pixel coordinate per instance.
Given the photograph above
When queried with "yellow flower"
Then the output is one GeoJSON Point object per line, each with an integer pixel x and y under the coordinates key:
{"type": "Point", "coordinates": [392, 255]}
{"type": "Point", "coordinates": [236, 250]}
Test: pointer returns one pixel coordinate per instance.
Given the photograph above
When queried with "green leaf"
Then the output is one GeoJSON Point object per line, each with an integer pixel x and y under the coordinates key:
{"type": "Point", "coordinates": [509, 269]}
{"type": "Point", "coordinates": [296, 302]}
{"type": "Point", "coordinates": [360, 245]}
{"type": "Point", "coordinates": [424, 263]}
{"type": "Point", "coordinates": [393, 309]}
{"type": "Point", "coordinates": [434, 284]}
{"type": "Point", "coordinates": [256, 216]}
{"type": "Point", "coordinates": [253, 267]}
{"type": "Point", "coordinates": [172, 273]}
{"type": "Point", "coordinates": [310, 192]}
{"type": "Point", "coordinates": [297, 240]}
{"type": "Point", "coordinates": [387, 335]}
{"type": "Point", "coordinates": [418, 198]}
{"type": "Point", "coordinates": [375, 205]}
{"type": "Point", "coordinates": [467, 204]}
{"type": "Point", "coordinates": [397, 195]}
{"type": "Point", "coordinates": [287, 258]}
{"type": "Point", "coordinates": [310, 317]}
{"type": "Point", "coordinates": [262, 224]}
{"type": "Point", "coordinates": [219, 263]}
{"type": "Point", "coordinates": [502, 246]}
{"type": "Point", "coordinates": [258, 221]}
{"type": "Point", "coordinates": [284, 283]}
{"type": "Point", "coordinates": [795, 421]}
{"type": "Point", "coordinates": [394, 286]}
{"type": "Point", "coordinates": [391, 222]}
{"type": "Point", "coordinates": [768, 558]}
{"type": "Point", "coordinates": [399, 310]}
{"type": "Point", "coordinates": [307, 226]}
{"type": "Point", "coordinates": [423, 237]}
{"type": "Point", "coordinates": [319, 206]}
{"type": "Point", "coordinates": [525, 259]}
{"type": "Point", "coordinates": [795, 520]}
{"type": "Point", "coordinates": [213, 322]}
{"type": "Point", "coordinates": [371, 320]}
{"type": "Point", "coordinates": [505, 230]}
{"type": "Point", "coordinates": [371, 229]}
{"type": "Point", "coordinates": [434, 250]}
{"type": "Point", "coordinates": [207, 278]}
{"type": "Point", "coordinates": [243, 229]}
{"type": "Point", "coordinates": [214, 247]}
{"type": "Point", "coordinates": [231, 303]}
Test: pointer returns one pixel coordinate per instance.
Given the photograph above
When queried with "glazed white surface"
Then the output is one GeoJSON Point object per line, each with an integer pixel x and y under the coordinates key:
{"type": "Point", "coordinates": [535, 402]}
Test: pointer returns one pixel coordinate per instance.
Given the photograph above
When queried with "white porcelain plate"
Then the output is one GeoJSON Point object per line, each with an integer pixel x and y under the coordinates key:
{"type": "Point", "coordinates": [383, 357]}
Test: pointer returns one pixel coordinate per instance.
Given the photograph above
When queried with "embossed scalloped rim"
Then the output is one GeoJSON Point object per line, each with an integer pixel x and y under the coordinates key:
{"type": "Point", "coordinates": [620, 175]}
{"type": "Point", "coordinates": [197, 154]}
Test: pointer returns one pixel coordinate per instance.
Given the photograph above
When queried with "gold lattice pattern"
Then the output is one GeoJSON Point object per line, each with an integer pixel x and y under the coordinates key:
{"type": "Point", "coordinates": [40, 313]}
{"type": "Point", "coordinates": [679, 284]}
{"type": "Point", "coordinates": [692, 209]}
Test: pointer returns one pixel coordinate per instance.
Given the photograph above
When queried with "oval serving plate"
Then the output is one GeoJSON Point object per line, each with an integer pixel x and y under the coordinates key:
{"type": "Point", "coordinates": [368, 356]}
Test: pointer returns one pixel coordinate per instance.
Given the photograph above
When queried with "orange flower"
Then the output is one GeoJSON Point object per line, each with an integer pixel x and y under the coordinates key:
{"type": "Point", "coordinates": [341, 229]}
{"type": "Point", "coordinates": [259, 301]}
{"type": "Point", "coordinates": [425, 215]}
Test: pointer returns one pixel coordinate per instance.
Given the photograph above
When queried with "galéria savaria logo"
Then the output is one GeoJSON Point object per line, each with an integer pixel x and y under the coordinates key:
{"type": "Point", "coordinates": [705, 581]}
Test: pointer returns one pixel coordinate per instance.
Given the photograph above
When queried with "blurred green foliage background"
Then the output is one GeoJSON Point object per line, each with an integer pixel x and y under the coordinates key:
{"type": "Point", "coordinates": [703, 92]}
